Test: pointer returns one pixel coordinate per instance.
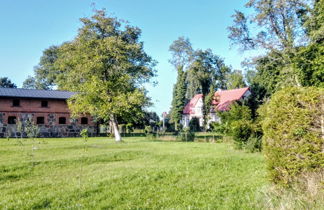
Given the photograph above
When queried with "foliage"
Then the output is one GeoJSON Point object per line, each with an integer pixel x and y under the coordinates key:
{"type": "Point", "coordinates": [146, 119]}
{"type": "Point", "coordinates": [278, 23]}
{"type": "Point", "coordinates": [29, 83]}
{"type": "Point", "coordinates": [182, 53]}
{"type": "Point", "coordinates": [208, 106]}
{"type": "Point", "coordinates": [166, 175]}
{"type": "Point", "coordinates": [107, 66]}
{"type": "Point", "coordinates": [309, 63]}
{"type": "Point", "coordinates": [186, 135]}
{"type": "Point", "coordinates": [283, 27]}
{"type": "Point", "coordinates": [205, 70]}
{"type": "Point", "coordinates": [254, 144]}
{"type": "Point", "coordinates": [5, 82]}
{"type": "Point", "coordinates": [129, 127]}
{"type": "Point", "coordinates": [293, 136]}
{"type": "Point", "coordinates": [238, 123]}
{"type": "Point", "coordinates": [206, 73]}
{"type": "Point", "coordinates": [194, 124]}
{"type": "Point", "coordinates": [148, 129]}
{"type": "Point", "coordinates": [32, 130]}
{"type": "Point", "coordinates": [314, 22]}
{"type": "Point", "coordinates": [241, 131]}
{"type": "Point", "coordinates": [46, 75]}
{"type": "Point", "coordinates": [235, 79]}
{"type": "Point", "coordinates": [179, 98]}
{"type": "Point", "coordinates": [84, 134]}
{"type": "Point", "coordinates": [236, 112]}
{"type": "Point", "coordinates": [219, 127]}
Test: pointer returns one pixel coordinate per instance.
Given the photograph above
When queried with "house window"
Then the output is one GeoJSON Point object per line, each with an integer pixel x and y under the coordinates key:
{"type": "Point", "coordinates": [12, 120]}
{"type": "Point", "coordinates": [84, 120]}
{"type": "Point", "coordinates": [40, 120]}
{"type": "Point", "coordinates": [62, 120]}
{"type": "Point", "coordinates": [16, 102]}
{"type": "Point", "coordinates": [44, 103]}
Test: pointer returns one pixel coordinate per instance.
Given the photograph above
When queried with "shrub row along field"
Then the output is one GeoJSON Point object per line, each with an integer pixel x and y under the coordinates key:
{"type": "Point", "coordinates": [73, 173]}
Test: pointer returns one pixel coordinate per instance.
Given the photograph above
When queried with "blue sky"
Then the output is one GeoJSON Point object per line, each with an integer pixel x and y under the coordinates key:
{"type": "Point", "coordinates": [30, 26]}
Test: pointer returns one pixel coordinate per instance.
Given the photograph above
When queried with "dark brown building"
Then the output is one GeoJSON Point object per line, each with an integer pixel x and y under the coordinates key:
{"type": "Point", "coordinates": [45, 108]}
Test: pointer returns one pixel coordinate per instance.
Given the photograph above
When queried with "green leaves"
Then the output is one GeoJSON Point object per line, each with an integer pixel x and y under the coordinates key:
{"type": "Point", "coordinates": [107, 65]}
{"type": "Point", "coordinates": [6, 83]}
{"type": "Point", "coordinates": [292, 133]}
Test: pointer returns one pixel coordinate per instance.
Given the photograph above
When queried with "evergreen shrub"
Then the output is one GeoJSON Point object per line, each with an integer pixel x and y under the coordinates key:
{"type": "Point", "coordinates": [293, 141]}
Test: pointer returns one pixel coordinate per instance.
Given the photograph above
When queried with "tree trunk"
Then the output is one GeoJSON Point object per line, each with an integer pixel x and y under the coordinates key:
{"type": "Point", "coordinates": [115, 128]}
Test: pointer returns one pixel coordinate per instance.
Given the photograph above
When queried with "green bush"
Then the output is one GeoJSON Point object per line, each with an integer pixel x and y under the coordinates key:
{"type": "Point", "coordinates": [218, 127]}
{"type": "Point", "coordinates": [186, 135]}
{"type": "Point", "coordinates": [237, 112]}
{"type": "Point", "coordinates": [237, 122]}
{"type": "Point", "coordinates": [241, 131]}
{"type": "Point", "coordinates": [254, 144]}
{"type": "Point", "coordinates": [293, 139]}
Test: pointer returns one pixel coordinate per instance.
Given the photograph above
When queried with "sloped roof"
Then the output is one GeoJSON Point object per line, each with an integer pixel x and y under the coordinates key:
{"type": "Point", "coordinates": [223, 99]}
{"type": "Point", "coordinates": [189, 108]}
{"type": "Point", "coordinates": [29, 93]}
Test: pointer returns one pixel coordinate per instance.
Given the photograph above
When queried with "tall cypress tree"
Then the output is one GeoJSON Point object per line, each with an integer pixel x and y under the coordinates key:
{"type": "Point", "coordinates": [181, 57]}
{"type": "Point", "coordinates": [179, 97]}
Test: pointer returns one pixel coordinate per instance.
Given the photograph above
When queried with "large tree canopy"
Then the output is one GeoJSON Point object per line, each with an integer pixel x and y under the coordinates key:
{"type": "Point", "coordinates": [290, 32]}
{"type": "Point", "coordinates": [205, 70]}
{"type": "Point", "coordinates": [107, 66]}
{"type": "Point", "coordinates": [279, 24]}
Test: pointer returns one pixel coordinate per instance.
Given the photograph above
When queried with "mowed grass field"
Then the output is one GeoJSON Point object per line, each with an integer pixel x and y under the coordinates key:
{"type": "Point", "coordinates": [139, 173]}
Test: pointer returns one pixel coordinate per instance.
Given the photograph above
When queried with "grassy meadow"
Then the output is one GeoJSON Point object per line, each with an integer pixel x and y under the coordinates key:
{"type": "Point", "coordinates": [139, 173]}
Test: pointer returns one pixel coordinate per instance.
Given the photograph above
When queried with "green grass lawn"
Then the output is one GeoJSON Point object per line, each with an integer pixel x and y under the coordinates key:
{"type": "Point", "coordinates": [69, 173]}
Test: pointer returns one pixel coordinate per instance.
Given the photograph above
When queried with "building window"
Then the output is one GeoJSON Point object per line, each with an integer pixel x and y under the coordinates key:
{"type": "Point", "coordinates": [12, 120]}
{"type": "Point", "coordinates": [44, 103]}
{"type": "Point", "coordinates": [40, 120]}
{"type": "Point", "coordinates": [16, 102]}
{"type": "Point", "coordinates": [62, 120]}
{"type": "Point", "coordinates": [84, 120]}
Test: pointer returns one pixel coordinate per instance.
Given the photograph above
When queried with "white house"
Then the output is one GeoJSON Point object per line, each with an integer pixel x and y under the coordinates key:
{"type": "Point", "coordinates": [221, 102]}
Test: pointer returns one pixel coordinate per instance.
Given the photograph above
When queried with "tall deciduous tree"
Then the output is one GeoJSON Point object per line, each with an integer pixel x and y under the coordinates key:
{"type": "Point", "coordinates": [280, 30]}
{"type": "Point", "coordinates": [107, 65]}
{"type": "Point", "coordinates": [182, 53]}
{"type": "Point", "coordinates": [279, 23]}
{"type": "Point", "coordinates": [5, 82]}
{"type": "Point", "coordinates": [206, 70]}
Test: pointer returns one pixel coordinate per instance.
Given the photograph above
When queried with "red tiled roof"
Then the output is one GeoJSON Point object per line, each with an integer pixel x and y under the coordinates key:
{"type": "Point", "coordinates": [189, 108]}
{"type": "Point", "coordinates": [223, 99]}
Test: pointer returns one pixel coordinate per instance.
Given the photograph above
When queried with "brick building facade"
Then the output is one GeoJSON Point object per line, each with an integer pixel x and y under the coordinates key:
{"type": "Point", "coordinates": [45, 108]}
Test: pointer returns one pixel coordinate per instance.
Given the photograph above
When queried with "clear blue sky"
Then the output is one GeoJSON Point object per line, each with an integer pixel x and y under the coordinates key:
{"type": "Point", "coordinates": [30, 26]}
